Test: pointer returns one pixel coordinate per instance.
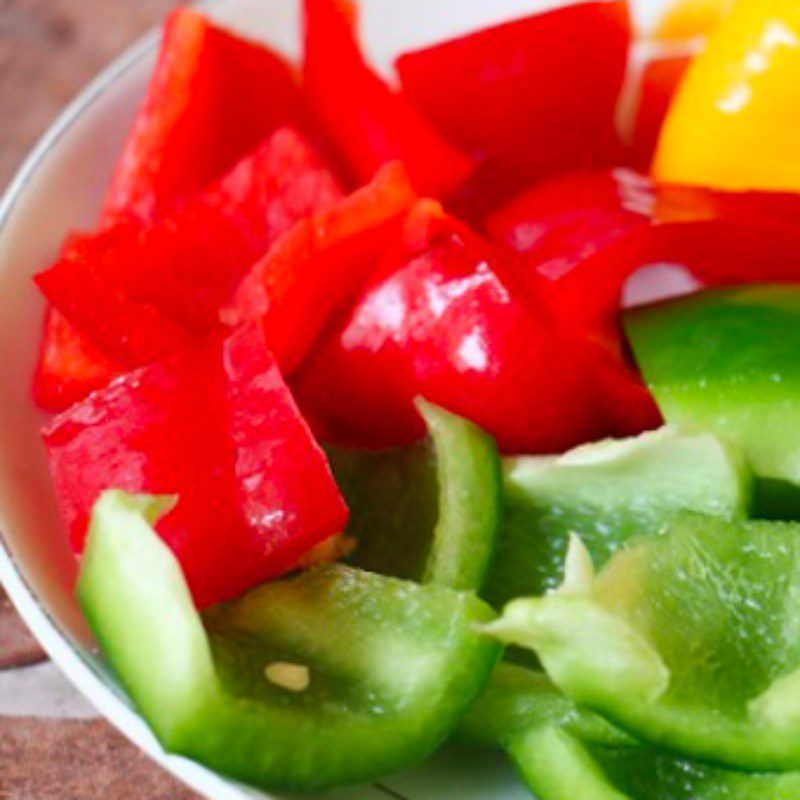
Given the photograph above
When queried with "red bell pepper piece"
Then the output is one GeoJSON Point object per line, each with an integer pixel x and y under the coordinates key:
{"type": "Point", "coordinates": [69, 367]}
{"type": "Point", "coordinates": [572, 216]}
{"type": "Point", "coordinates": [130, 332]}
{"type": "Point", "coordinates": [218, 427]}
{"type": "Point", "coordinates": [320, 264]}
{"type": "Point", "coordinates": [578, 226]}
{"type": "Point", "coordinates": [212, 98]}
{"type": "Point", "coordinates": [439, 321]}
{"type": "Point", "coordinates": [366, 123]}
{"type": "Point", "coordinates": [661, 77]}
{"type": "Point", "coordinates": [584, 235]}
{"type": "Point", "coordinates": [187, 266]}
{"type": "Point", "coordinates": [534, 97]}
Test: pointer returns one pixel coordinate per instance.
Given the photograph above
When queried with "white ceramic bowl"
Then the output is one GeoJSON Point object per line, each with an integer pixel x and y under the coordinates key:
{"type": "Point", "coordinates": [58, 189]}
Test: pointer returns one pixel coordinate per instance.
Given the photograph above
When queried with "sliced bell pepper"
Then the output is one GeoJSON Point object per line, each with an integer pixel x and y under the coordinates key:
{"type": "Point", "coordinates": [333, 677]}
{"type": "Point", "coordinates": [739, 97]}
{"type": "Point", "coordinates": [187, 265]}
{"type": "Point", "coordinates": [531, 97]}
{"type": "Point", "coordinates": [212, 98]}
{"type": "Point", "coordinates": [439, 321]}
{"type": "Point", "coordinates": [367, 123]}
{"type": "Point", "coordinates": [682, 640]}
{"type": "Point", "coordinates": [574, 215]}
{"type": "Point", "coordinates": [255, 491]}
{"type": "Point", "coordinates": [320, 264]}
{"type": "Point", "coordinates": [557, 765]}
{"type": "Point", "coordinates": [430, 512]}
{"type": "Point", "coordinates": [661, 77]}
{"type": "Point", "coordinates": [726, 359]}
{"type": "Point", "coordinates": [583, 235]}
{"type": "Point", "coordinates": [69, 366]}
{"type": "Point", "coordinates": [517, 699]}
{"type": "Point", "coordinates": [607, 493]}
{"type": "Point", "coordinates": [563, 752]}
{"type": "Point", "coordinates": [129, 332]}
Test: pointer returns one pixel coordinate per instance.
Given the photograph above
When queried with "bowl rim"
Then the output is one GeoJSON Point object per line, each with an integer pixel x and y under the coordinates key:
{"type": "Point", "coordinates": [69, 657]}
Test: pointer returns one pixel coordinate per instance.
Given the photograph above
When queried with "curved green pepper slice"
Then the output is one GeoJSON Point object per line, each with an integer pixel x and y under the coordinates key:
{"type": "Point", "coordinates": [607, 493]}
{"type": "Point", "coordinates": [557, 765]}
{"type": "Point", "coordinates": [563, 752]}
{"type": "Point", "coordinates": [688, 640]}
{"type": "Point", "coordinates": [726, 359]}
{"type": "Point", "coordinates": [429, 512]}
{"type": "Point", "coordinates": [336, 676]}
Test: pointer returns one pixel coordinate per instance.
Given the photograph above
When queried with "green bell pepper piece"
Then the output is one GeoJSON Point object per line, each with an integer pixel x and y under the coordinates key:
{"type": "Point", "coordinates": [557, 765]}
{"type": "Point", "coordinates": [429, 512]}
{"type": "Point", "coordinates": [688, 640]}
{"type": "Point", "coordinates": [517, 698]}
{"type": "Point", "coordinates": [563, 752]}
{"type": "Point", "coordinates": [333, 677]}
{"type": "Point", "coordinates": [607, 492]}
{"type": "Point", "coordinates": [726, 359]}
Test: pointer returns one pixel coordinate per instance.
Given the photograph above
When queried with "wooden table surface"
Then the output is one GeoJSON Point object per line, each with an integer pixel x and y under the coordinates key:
{"type": "Point", "coordinates": [48, 50]}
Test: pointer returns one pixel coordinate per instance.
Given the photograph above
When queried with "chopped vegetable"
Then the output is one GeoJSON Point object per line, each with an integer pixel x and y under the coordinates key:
{"type": "Point", "coordinates": [429, 512]}
{"type": "Point", "coordinates": [517, 699]}
{"type": "Point", "coordinates": [607, 493]}
{"type": "Point", "coordinates": [366, 123]}
{"type": "Point", "coordinates": [482, 251]}
{"type": "Point", "coordinates": [69, 367]}
{"type": "Point", "coordinates": [322, 263]}
{"type": "Point", "coordinates": [740, 96]}
{"type": "Point", "coordinates": [392, 664]}
{"type": "Point", "coordinates": [726, 360]}
{"type": "Point", "coordinates": [531, 97]}
{"type": "Point", "coordinates": [212, 98]}
{"type": "Point", "coordinates": [218, 427]}
{"type": "Point", "coordinates": [187, 266]}
{"type": "Point", "coordinates": [563, 752]}
{"type": "Point", "coordinates": [583, 235]}
{"type": "Point", "coordinates": [683, 639]}
{"type": "Point", "coordinates": [441, 320]}
{"type": "Point", "coordinates": [557, 765]}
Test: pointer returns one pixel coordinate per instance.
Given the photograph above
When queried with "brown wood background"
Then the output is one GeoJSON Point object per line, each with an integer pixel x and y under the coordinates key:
{"type": "Point", "coordinates": [48, 50]}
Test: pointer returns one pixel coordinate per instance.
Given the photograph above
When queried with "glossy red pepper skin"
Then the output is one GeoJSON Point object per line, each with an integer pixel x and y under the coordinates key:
{"type": "Point", "coordinates": [212, 98]}
{"type": "Point", "coordinates": [579, 234]}
{"type": "Point", "coordinates": [530, 98]}
{"type": "Point", "coordinates": [204, 110]}
{"type": "Point", "coordinates": [218, 427]}
{"type": "Point", "coordinates": [439, 321]}
{"type": "Point", "coordinates": [170, 280]}
{"type": "Point", "coordinates": [365, 122]}
{"type": "Point", "coordinates": [323, 262]}
{"type": "Point", "coordinates": [584, 235]}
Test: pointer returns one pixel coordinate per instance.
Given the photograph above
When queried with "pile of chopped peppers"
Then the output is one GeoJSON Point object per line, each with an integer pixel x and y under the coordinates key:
{"type": "Point", "coordinates": [461, 409]}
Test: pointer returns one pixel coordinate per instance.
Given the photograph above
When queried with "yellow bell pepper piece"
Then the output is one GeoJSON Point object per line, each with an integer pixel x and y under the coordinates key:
{"type": "Point", "coordinates": [689, 19]}
{"type": "Point", "coordinates": [735, 122]}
